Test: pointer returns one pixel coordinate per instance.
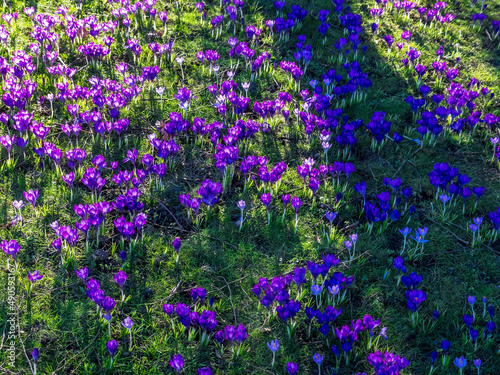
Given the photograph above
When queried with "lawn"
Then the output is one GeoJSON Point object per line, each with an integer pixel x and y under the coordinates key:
{"type": "Point", "coordinates": [256, 187]}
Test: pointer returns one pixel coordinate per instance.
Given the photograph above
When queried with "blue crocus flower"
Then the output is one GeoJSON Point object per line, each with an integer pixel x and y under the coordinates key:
{"type": "Point", "coordinates": [331, 216]}
{"type": "Point", "coordinates": [460, 363]}
{"type": "Point", "coordinates": [316, 289]}
{"type": "Point", "coordinates": [420, 235]}
{"type": "Point", "coordinates": [317, 358]}
{"type": "Point", "coordinates": [405, 231]}
{"type": "Point", "coordinates": [274, 345]}
{"type": "Point", "coordinates": [477, 363]}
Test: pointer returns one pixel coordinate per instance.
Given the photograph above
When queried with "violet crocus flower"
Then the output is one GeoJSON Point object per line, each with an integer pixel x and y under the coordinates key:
{"type": "Point", "coordinates": [460, 363]}
{"type": "Point", "coordinates": [128, 231]}
{"type": "Point", "coordinates": [123, 257]}
{"type": "Point", "coordinates": [415, 297]}
{"type": "Point", "coordinates": [177, 363]}
{"type": "Point", "coordinates": [445, 345]}
{"type": "Point", "coordinates": [296, 204]}
{"type": "Point", "coordinates": [128, 323]}
{"type": "Point", "coordinates": [176, 244]}
{"type": "Point", "coordinates": [285, 199]}
{"type": "Point", "coordinates": [120, 279]}
{"type": "Point", "coordinates": [31, 196]}
{"type": "Point", "coordinates": [163, 16]}
{"type": "Point", "coordinates": [433, 359]}
{"type": "Point", "coordinates": [318, 358]}
{"type": "Point", "coordinates": [274, 346]}
{"type": "Point", "coordinates": [112, 348]}
{"type": "Point", "coordinates": [168, 309]}
{"type": "Point", "coordinates": [7, 142]}
{"type": "Point", "coordinates": [69, 179]}
{"type": "Point", "coordinates": [35, 355]}
{"type": "Point", "coordinates": [266, 201]}
{"type": "Point", "coordinates": [361, 189]}
{"type": "Point", "coordinates": [241, 205]}
{"type": "Point", "coordinates": [316, 290]}
{"type": "Point", "coordinates": [477, 364]}
{"type": "Point", "coordinates": [210, 192]}
{"type": "Point", "coordinates": [405, 232]}
{"type": "Point", "coordinates": [420, 238]}
{"type": "Point", "coordinates": [10, 248]}
{"type": "Point", "coordinates": [184, 96]}
{"type": "Point", "coordinates": [389, 40]}
{"type": "Point", "coordinates": [57, 245]}
{"type": "Point", "coordinates": [108, 304]}
{"type": "Point", "coordinates": [399, 266]}
{"type": "Point", "coordinates": [330, 216]}
{"type": "Point", "coordinates": [18, 205]}
{"type": "Point", "coordinates": [33, 278]}
{"type": "Point", "coordinates": [406, 35]}
{"type": "Point", "coordinates": [292, 368]}
{"type": "Point", "coordinates": [140, 221]}
{"type": "Point", "coordinates": [83, 273]}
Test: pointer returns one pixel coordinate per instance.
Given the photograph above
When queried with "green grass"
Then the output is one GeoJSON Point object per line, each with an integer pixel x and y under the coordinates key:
{"type": "Point", "coordinates": [61, 320]}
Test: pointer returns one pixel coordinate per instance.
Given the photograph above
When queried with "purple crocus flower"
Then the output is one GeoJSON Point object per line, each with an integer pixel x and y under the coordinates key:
{"type": "Point", "coordinates": [184, 96]}
{"type": "Point", "coordinates": [241, 205]}
{"type": "Point", "coordinates": [198, 293]}
{"type": "Point", "coordinates": [128, 230]}
{"type": "Point", "coordinates": [477, 363]}
{"type": "Point", "coordinates": [83, 273]}
{"type": "Point", "coordinates": [34, 277]}
{"type": "Point", "coordinates": [31, 196]}
{"type": "Point", "coordinates": [177, 363]}
{"type": "Point", "coordinates": [112, 348]}
{"type": "Point", "coordinates": [398, 264]}
{"type": "Point", "coordinates": [168, 309]}
{"type": "Point", "coordinates": [361, 189]}
{"type": "Point", "coordinates": [18, 205]}
{"type": "Point", "coordinates": [123, 257]}
{"type": "Point", "coordinates": [128, 323]}
{"type": "Point", "coordinates": [10, 247]}
{"type": "Point", "coordinates": [292, 368]}
{"type": "Point", "coordinates": [433, 357]}
{"type": "Point", "coordinates": [406, 35]}
{"type": "Point", "coordinates": [210, 192]}
{"type": "Point", "coordinates": [389, 40]}
{"type": "Point", "coordinates": [445, 345]}
{"type": "Point", "coordinates": [330, 216]}
{"type": "Point", "coordinates": [415, 298]}
{"type": "Point", "coordinates": [285, 199]}
{"type": "Point", "coordinates": [266, 200]}
{"type": "Point", "coordinates": [318, 359]}
{"type": "Point", "coordinates": [108, 304]}
{"type": "Point", "coordinates": [69, 178]}
{"type": "Point", "coordinates": [176, 244]}
{"type": "Point", "coordinates": [120, 279]}
{"type": "Point", "coordinates": [35, 355]}
{"type": "Point", "coordinates": [296, 204]}
{"type": "Point", "coordinates": [274, 346]}
{"type": "Point", "coordinates": [7, 142]}
{"type": "Point", "coordinates": [140, 221]}
{"type": "Point", "coordinates": [460, 363]}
